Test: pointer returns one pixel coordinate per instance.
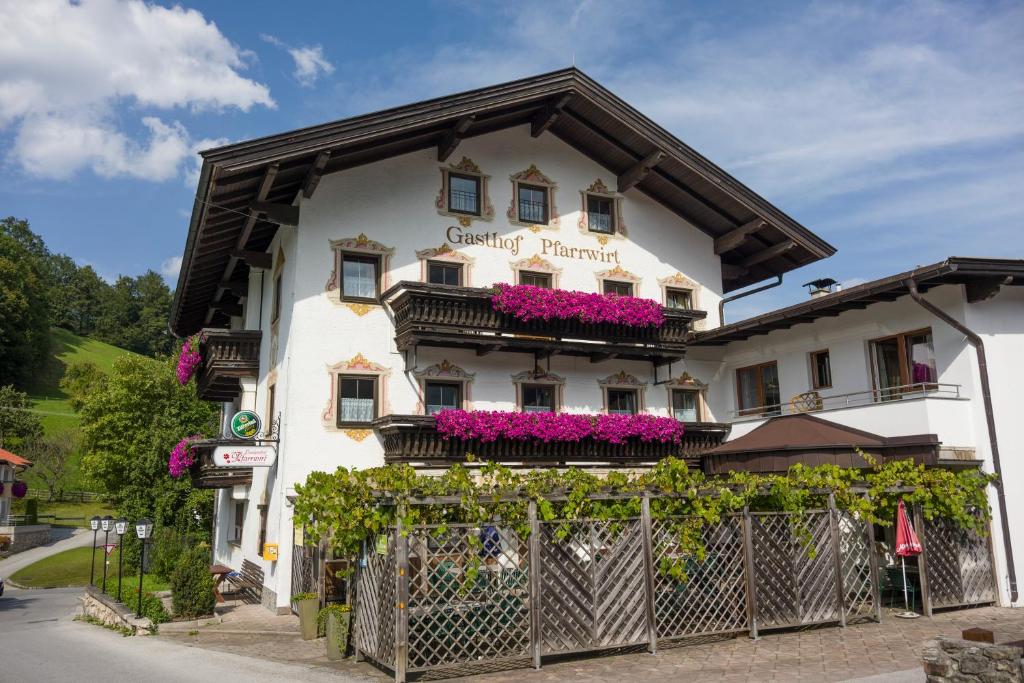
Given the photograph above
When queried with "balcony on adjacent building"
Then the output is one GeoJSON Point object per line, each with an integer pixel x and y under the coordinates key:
{"type": "Point", "coordinates": [228, 357]}
{"type": "Point", "coordinates": [453, 316]}
{"type": "Point", "coordinates": [414, 439]}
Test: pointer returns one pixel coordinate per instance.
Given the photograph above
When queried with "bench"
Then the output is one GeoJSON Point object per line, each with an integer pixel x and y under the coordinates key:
{"type": "Point", "coordinates": [249, 582]}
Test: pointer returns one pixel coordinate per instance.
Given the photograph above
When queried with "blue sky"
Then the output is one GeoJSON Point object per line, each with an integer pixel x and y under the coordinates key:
{"type": "Point", "coordinates": [894, 130]}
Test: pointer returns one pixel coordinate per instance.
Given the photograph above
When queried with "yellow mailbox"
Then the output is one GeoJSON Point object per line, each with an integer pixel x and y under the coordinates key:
{"type": "Point", "coordinates": [270, 552]}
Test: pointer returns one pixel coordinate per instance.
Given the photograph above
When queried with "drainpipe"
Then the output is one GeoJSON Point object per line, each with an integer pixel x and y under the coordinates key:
{"type": "Point", "coordinates": [986, 397]}
{"type": "Point", "coordinates": [723, 302]}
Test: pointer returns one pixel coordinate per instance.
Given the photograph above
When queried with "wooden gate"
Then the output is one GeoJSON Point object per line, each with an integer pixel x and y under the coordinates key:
{"type": "Point", "coordinates": [592, 585]}
{"type": "Point", "coordinates": [958, 563]}
{"type": "Point", "coordinates": [794, 573]}
{"type": "Point", "coordinates": [305, 569]}
{"type": "Point", "coordinates": [374, 633]}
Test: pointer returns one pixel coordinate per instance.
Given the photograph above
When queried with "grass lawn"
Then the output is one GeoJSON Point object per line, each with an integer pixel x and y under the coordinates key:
{"type": "Point", "coordinates": [67, 513]}
{"type": "Point", "coordinates": [71, 568]}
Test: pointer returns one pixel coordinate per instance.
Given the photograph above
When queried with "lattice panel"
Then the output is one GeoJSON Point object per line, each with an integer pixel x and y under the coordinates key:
{"type": "Point", "coordinates": [468, 596]}
{"type": "Point", "coordinates": [304, 564]}
{"type": "Point", "coordinates": [592, 585]}
{"type": "Point", "coordinates": [959, 565]}
{"type": "Point", "coordinates": [855, 553]}
{"type": "Point", "coordinates": [374, 628]}
{"type": "Point", "coordinates": [712, 596]}
{"type": "Point", "coordinates": [793, 587]}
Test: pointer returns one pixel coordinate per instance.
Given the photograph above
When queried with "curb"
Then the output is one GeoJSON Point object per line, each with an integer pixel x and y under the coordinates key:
{"type": "Point", "coordinates": [231, 632]}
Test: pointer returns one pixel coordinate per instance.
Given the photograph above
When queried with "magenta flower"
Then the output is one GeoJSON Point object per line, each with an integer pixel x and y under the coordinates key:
{"type": "Point", "coordinates": [181, 456]}
{"type": "Point", "coordinates": [19, 489]}
{"type": "Point", "coordinates": [189, 359]}
{"type": "Point", "coordinates": [527, 302]}
{"type": "Point", "coordinates": [490, 425]}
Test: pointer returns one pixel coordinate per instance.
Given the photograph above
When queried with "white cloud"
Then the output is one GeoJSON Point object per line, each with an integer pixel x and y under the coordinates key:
{"type": "Point", "coordinates": [170, 267]}
{"type": "Point", "coordinates": [66, 67]}
{"type": "Point", "coordinates": [310, 63]}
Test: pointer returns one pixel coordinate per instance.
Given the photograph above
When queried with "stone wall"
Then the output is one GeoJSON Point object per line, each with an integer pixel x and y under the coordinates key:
{"type": "Point", "coordinates": [25, 537]}
{"type": "Point", "coordinates": [951, 660]}
{"type": "Point", "coordinates": [104, 608]}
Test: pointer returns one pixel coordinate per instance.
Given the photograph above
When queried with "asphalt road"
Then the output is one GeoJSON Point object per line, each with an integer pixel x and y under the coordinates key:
{"type": "Point", "coordinates": [42, 642]}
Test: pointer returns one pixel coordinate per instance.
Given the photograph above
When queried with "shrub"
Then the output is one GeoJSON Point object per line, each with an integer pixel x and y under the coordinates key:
{"type": "Point", "coordinates": [168, 547]}
{"type": "Point", "coordinates": [32, 511]}
{"type": "Point", "coordinates": [192, 584]}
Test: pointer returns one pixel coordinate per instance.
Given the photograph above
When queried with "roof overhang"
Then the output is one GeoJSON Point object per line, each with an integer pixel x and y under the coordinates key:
{"type": "Point", "coordinates": [981, 276]}
{"type": "Point", "coordinates": [755, 239]}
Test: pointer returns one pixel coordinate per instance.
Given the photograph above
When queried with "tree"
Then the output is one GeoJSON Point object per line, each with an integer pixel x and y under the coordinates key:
{"type": "Point", "coordinates": [134, 315]}
{"type": "Point", "coordinates": [24, 301]}
{"type": "Point", "coordinates": [130, 424]}
{"type": "Point", "coordinates": [81, 380]}
{"type": "Point", "coordinates": [17, 423]}
{"type": "Point", "coordinates": [49, 456]}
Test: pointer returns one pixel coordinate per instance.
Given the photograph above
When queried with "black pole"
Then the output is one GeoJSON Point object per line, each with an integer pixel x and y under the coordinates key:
{"type": "Point", "coordinates": [120, 563]}
{"type": "Point", "coordinates": [142, 563]}
{"type": "Point", "coordinates": [106, 537]}
{"type": "Point", "coordinates": [92, 564]}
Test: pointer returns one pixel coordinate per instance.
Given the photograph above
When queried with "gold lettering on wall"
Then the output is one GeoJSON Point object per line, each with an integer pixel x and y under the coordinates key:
{"type": "Point", "coordinates": [457, 235]}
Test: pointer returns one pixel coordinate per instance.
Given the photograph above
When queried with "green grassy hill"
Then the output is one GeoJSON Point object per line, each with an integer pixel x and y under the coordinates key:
{"type": "Point", "coordinates": [50, 401]}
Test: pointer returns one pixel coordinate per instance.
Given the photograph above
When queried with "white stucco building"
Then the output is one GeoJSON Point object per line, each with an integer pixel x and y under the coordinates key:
{"type": "Point", "coordinates": [341, 271]}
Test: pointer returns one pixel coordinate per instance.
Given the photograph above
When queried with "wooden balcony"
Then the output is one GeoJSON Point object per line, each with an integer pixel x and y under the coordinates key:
{"type": "Point", "coordinates": [228, 356]}
{"type": "Point", "coordinates": [450, 316]}
{"type": "Point", "coordinates": [414, 439]}
{"type": "Point", "coordinates": [206, 475]}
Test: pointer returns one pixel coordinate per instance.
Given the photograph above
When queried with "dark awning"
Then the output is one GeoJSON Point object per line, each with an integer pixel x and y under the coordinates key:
{"type": "Point", "coordinates": [782, 442]}
{"type": "Point", "coordinates": [755, 239]}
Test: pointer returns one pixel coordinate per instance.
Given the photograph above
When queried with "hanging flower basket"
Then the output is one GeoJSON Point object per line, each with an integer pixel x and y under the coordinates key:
{"type": "Point", "coordinates": [527, 302]}
{"type": "Point", "coordinates": [19, 489]}
{"type": "Point", "coordinates": [181, 456]}
{"type": "Point", "coordinates": [189, 359]}
{"type": "Point", "coordinates": [488, 426]}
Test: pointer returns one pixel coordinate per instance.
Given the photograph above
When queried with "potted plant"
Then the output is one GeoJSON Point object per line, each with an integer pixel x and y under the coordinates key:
{"type": "Point", "coordinates": [307, 604]}
{"type": "Point", "coordinates": [334, 622]}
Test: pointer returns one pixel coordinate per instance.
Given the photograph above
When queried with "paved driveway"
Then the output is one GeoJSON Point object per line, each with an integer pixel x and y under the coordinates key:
{"type": "Point", "coordinates": [61, 539]}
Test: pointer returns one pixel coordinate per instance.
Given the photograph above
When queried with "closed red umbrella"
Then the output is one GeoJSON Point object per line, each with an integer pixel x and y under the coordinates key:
{"type": "Point", "coordinates": [907, 545]}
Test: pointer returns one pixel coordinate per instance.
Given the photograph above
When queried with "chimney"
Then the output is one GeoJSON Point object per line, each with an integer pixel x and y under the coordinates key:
{"type": "Point", "coordinates": [822, 287]}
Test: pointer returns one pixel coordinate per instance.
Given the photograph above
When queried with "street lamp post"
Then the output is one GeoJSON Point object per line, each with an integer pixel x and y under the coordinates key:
{"type": "Point", "coordinates": [120, 526]}
{"type": "Point", "coordinates": [107, 523]}
{"type": "Point", "coordinates": [143, 529]}
{"type": "Point", "coordinates": [94, 524]}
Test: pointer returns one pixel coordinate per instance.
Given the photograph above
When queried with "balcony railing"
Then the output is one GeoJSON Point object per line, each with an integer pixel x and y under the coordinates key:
{"type": "Point", "coordinates": [206, 475]}
{"type": "Point", "coordinates": [414, 439]}
{"type": "Point", "coordinates": [447, 315]}
{"type": "Point", "coordinates": [228, 356]}
{"type": "Point", "coordinates": [813, 401]}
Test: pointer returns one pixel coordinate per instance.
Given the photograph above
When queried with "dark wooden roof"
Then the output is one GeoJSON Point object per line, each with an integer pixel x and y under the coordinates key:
{"type": "Point", "coordinates": [756, 240]}
{"type": "Point", "coordinates": [982, 276]}
{"type": "Point", "coordinates": [782, 442]}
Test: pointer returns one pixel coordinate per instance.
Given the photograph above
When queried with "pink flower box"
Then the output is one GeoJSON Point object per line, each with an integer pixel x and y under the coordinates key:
{"type": "Point", "coordinates": [527, 302]}
{"type": "Point", "coordinates": [488, 426]}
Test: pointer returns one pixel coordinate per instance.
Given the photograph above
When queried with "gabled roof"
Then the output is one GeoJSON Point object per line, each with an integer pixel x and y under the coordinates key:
{"type": "Point", "coordinates": [982, 276]}
{"type": "Point", "coordinates": [755, 239]}
{"type": "Point", "coordinates": [16, 460]}
{"type": "Point", "coordinates": [784, 441]}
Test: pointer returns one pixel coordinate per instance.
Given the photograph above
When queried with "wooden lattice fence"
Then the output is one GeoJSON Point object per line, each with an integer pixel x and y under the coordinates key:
{"type": "Point", "coordinates": [468, 595]}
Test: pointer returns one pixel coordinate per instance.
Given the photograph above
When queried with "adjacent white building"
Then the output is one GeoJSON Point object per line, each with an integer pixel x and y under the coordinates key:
{"type": "Point", "coordinates": [342, 271]}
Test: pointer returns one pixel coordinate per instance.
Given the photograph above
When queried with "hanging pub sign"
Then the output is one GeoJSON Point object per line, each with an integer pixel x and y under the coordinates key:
{"type": "Point", "coordinates": [241, 455]}
{"type": "Point", "coordinates": [245, 424]}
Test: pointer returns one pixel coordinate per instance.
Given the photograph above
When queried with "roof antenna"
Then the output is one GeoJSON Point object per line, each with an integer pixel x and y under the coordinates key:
{"type": "Point", "coordinates": [574, 58]}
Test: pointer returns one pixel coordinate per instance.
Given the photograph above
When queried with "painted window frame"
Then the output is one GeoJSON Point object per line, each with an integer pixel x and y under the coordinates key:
{"type": "Point", "coordinates": [358, 246]}
{"type": "Point", "coordinates": [357, 365]}
{"type": "Point", "coordinates": [465, 168]}
{"type": "Point", "coordinates": [446, 255]}
{"type": "Point", "coordinates": [444, 371]}
{"type": "Point", "coordinates": [599, 190]}
{"type": "Point", "coordinates": [359, 257]}
{"type": "Point", "coordinates": [539, 378]}
{"type": "Point", "coordinates": [619, 381]}
{"type": "Point", "coordinates": [618, 275]}
{"type": "Point", "coordinates": [538, 265]}
{"type": "Point", "coordinates": [533, 178]}
{"type": "Point", "coordinates": [458, 267]}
